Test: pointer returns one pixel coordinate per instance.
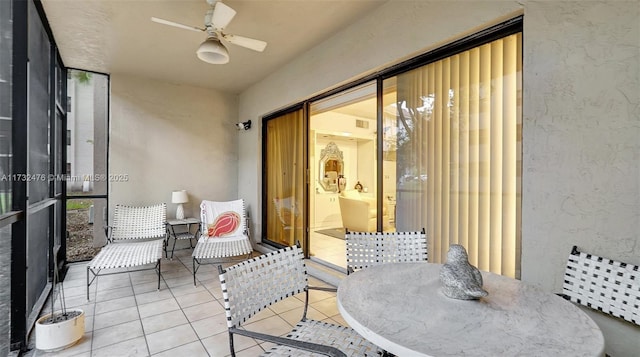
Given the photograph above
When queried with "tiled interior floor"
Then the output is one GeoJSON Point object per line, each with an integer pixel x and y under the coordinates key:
{"type": "Point", "coordinates": [128, 316]}
{"type": "Point", "coordinates": [329, 249]}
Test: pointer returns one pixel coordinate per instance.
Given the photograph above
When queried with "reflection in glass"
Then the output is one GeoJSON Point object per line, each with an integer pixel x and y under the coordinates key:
{"type": "Point", "coordinates": [5, 292]}
{"type": "Point", "coordinates": [331, 167]}
{"type": "Point", "coordinates": [6, 53]}
{"type": "Point", "coordinates": [87, 125]}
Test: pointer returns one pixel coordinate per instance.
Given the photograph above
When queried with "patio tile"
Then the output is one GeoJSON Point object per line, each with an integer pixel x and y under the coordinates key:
{"type": "Point", "coordinates": [158, 307]}
{"type": "Point", "coordinates": [194, 299]}
{"type": "Point", "coordinates": [116, 304]}
{"type": "Point", "coordinates": [111, 294]}
{"type": "Point", "coordinates": [73, 290]}
{"type": "Point", "coordinates": [151, 286]}
{"type": "Point", "coordinates": [274, 325]}
{"type": "Point", "coordinates": [144, 276]}
{"type": "Point", "coordinates": [201, 311]}
{"type": "Point", "coordinates": [133, 347]}
{"type": "Point", "coordinates": [187, 289]}
{"type": "Point", "coordinates": [128, 316]}
{"type": "Point", "coordinates": [328, 307]}
{"type": "Point", "coordinates": [218, 345]}
{"type": "Point", "coordinates": [153, 296]}
{"type": "Point", "coordinates": [115, 317]}
{"type": "Point", "coordinates": [250, 352]}
{"type": "Point", "coordinates": [193, 349]}
{"type": "Point", "coordinates": [164, 321]}
{"type": "Point", "coordinates": [112, 281]}
{"type": "Point", "coordinates": [179, 281]}
{"type": "Point", "coordinates": [210, 326]}
{"type": "Point", "coordinates": [171, 338]}
{"type": "Point", "coordinates": [116, 334]}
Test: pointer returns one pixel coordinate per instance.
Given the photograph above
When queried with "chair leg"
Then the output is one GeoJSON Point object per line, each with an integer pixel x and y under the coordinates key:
{"type": "Point", "coordinates": [159, 274]}
{"type": "Point", "coordinates": [194, 271]}
{"type": "Point", "coordinates": [231, 348]}
{"type": "Point", "coordinates": [88, 283]}
{"type": "Point", "coordinates": [174, 248]}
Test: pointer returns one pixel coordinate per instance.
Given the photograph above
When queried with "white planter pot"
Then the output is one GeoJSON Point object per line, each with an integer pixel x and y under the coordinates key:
{"type": "Point", "coordinates": [61, 334]}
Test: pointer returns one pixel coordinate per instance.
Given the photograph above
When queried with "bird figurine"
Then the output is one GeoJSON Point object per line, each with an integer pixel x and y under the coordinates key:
{"type": "Point", "coordinates": [459, 278]}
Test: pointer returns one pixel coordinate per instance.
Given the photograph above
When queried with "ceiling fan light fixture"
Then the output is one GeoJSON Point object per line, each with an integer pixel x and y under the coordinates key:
{"type": "Point", "coordinates": [213, 51]}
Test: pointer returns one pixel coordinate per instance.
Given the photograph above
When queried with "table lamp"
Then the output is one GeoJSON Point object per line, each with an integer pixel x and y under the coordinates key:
{"type": "Point", "coordinates": [179, 197]}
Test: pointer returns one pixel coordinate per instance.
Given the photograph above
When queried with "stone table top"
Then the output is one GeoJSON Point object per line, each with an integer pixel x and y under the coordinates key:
{"type": "Point", "coordinates": [401, 308]}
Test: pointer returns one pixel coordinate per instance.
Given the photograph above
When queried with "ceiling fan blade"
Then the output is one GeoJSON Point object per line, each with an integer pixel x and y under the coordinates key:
{"type": "Point", "coordinates": [175, 24]}
{"type": "Point", "coordinates": [222, 15]}
{"type": "Point", "coordinates": [249, 43]}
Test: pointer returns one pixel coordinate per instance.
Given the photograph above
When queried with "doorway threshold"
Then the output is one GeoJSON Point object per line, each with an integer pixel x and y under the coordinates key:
{"type": "Point", "coordinates": [317, 268]}
{"type": "Point", "coordinates": [325, 271]}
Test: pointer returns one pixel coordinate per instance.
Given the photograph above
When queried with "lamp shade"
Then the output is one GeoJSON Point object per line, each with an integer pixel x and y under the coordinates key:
{"type": "Point", "coordinates": [213, 51]}
{"type": "Point", "coordinates": [179, 196]}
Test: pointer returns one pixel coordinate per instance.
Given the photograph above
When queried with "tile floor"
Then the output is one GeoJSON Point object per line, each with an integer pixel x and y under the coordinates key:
{"type": "Point", "coordinates": [329, 249]}
{"type": "Point", "coordinates": [128, 316]}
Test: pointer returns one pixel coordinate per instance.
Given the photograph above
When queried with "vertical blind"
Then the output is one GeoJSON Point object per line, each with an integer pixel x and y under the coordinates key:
{"type": "Point", "coordinates": [462, 118]}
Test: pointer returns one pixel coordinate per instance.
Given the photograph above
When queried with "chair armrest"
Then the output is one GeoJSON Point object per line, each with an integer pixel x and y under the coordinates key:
{"type": "Point", "coordinates": [322, 288]}
{"type": "Point", "coordinates": [302, 345]}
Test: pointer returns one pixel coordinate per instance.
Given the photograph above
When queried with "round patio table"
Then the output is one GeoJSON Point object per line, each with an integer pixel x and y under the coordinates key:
{"type": "Point", "coordinates": [401, 308]}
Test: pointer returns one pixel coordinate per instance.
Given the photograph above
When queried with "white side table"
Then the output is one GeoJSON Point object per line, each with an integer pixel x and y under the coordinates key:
{"type": "Point", "coordinates": [185, 231]}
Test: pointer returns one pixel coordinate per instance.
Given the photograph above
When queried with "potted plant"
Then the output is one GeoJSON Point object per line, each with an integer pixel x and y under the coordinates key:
{"type": "Point", "coordinates": [59, 329]}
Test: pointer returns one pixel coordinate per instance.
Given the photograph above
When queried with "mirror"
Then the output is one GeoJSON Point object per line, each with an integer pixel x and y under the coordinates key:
{"type": "Point", "coordinates": [331, 166]}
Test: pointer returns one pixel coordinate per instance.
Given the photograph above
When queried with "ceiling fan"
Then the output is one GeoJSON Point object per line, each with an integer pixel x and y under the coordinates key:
{"type": "Point", "coordinates": [212, 50]}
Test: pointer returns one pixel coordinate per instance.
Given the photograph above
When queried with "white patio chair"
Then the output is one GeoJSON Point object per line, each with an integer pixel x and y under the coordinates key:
{"type": "Point", "coordinates": [224, 234]}
{"type": "Point", "coordinates": [255, 284]}
{"type": "Point", "coordinates": [365, 249]}
{"type": "Point", "coordinates": [135, 239]}
{"type": "Point", "coordinates": [609, 286]}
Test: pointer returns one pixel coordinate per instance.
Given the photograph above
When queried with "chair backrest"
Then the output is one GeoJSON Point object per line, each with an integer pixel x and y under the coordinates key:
{"type": "Point", "coordinates": [145, 222]}
{"type": "Point", "coordinates": [223, 218]}
{"type": "Point", "coordinates": [253, 285]}
{"type": "Point", "coordinates": [610, 286]}
{"type": "Point", "coordinates": [287, 211]}
{"type": "Point", "coordinates": [365, 249]}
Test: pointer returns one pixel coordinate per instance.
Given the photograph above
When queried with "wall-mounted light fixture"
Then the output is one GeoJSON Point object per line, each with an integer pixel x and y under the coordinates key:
{"type": "Point", "coordinates": [246, 125]}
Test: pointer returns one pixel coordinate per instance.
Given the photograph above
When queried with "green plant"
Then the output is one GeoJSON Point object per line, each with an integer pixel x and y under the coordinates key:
{"type": "Point", "coordinates": [82, 77]}
{"type": "Point", "coordinates": [78, 204]}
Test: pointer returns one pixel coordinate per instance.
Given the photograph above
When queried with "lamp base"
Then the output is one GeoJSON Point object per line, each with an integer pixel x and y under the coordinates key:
{"type": "Point", "coordinates": [180, 211]}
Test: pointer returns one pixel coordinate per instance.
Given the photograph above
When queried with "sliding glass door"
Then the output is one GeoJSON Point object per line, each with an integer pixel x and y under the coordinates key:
{"type": "Point", "coordinates": [456, 129]}
{"type": "Point", "coordinates": [433, 143]}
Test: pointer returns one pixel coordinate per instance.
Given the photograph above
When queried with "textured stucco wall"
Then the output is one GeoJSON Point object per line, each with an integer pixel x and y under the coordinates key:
{"type": "Point", "coordinates": [167, 137]}
{"type": "Point", "coordinates": [581, 129]}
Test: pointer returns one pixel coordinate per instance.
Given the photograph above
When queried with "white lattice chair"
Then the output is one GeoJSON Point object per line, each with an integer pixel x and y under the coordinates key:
{"type": "Point", "coordinates": [135, 239]}
{"type": "Point", "coordinates": [605, 285]}
{"type": "Point", "coordinates": [255, 284]}
{"type": "Point", "coordinates": [224, 233]}
{"type": "Point", "coordinates": [365, 249]}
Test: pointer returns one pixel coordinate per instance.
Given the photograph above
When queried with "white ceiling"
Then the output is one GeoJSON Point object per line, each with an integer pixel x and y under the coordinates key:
{"type": "Point", "coordinates": [118, 37]}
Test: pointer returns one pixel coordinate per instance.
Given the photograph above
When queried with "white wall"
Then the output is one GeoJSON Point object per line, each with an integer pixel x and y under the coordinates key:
{"type": "Point", "coordinates": [581, 132]}
{"type": "Point", "coordinates": [167, 137]}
